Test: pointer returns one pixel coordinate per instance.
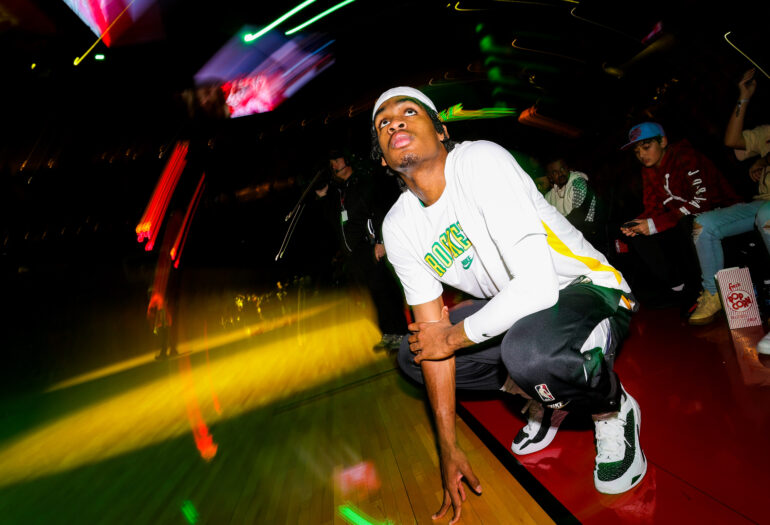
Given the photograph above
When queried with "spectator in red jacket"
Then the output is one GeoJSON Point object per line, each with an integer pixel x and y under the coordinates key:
{"type": "Point", "coordinates": [678, 183]}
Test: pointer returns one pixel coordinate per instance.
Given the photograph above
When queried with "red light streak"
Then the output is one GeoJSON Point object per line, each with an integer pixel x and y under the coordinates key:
{"type": "Point", "coordinates": [203, 438]}
{"type": "Point", "coordinates": [150, 223]}
{"type": "Point", "coordinates": [181, 237]}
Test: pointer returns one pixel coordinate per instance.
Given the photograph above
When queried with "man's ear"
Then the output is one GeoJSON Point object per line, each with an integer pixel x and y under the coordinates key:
{"type": "Point", "coordinates": [446, 133]}
{"type": "Point", "coordinates": [664, 142]}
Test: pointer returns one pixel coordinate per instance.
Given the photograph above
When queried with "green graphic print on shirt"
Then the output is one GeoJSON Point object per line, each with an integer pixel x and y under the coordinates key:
{"type": "Point", "coordinates": [450, 245]}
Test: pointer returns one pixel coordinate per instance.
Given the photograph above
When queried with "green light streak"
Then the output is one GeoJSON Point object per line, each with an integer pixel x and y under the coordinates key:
{"type": "Point", "coordinates": [356, 517]}
{"type": "Point", "coordinates": [190, 514]}
{"type": "Point", "coordinates": [318, 17]}
{"type": "Point", "coordinates": [99, 57]}
{"type": "Point", "coordinates": [254, 36]}
{"type": "Point", "coordinates": [457, 112]}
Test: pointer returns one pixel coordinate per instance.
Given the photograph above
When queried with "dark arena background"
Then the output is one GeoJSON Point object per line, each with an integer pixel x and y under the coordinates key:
{"type": "Point", "coordinates": [277, 408]}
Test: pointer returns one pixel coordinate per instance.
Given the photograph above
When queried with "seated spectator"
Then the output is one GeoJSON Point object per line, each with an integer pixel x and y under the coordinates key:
{"type": "Point", "coordinates": [711, 227]}
{"type": "Point", "coordinates": [678, 183]}
{"type": "Point", "coordinates": [573, 197]}
{"type": "Point", "coordinates": [542, 183]}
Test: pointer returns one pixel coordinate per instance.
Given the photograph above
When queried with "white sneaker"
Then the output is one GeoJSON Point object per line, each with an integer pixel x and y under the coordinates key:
{"type": "Point", "coordinates": [620, 462]}
{"type": "Point", "coordinates": [763, 346]}
{"type": "Point", "coordinates": [542, 425]}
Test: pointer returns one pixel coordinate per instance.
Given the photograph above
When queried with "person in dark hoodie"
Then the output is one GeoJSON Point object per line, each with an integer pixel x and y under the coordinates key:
{"type": "Point", "coordinates": [678, 183]}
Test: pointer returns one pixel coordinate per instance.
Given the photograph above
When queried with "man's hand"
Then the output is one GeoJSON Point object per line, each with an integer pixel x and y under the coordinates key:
{"type": "Point", "coordinates": [379, 251]}
{"type": "Point", "coordinates": [640, 228]}
{"type": "Point", "coordinates": [747, 85]}
{"type": "Point", "coordinates": [757, 170]}
{"type": "Point", "coordinates": [321, 192]}
{"type": "Point", "coordinates": [455, 467]}
{"type": "Point", "coordinates": [430, 341]}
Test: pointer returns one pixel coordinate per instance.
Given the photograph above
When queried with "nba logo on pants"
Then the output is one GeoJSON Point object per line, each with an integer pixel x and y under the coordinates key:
{"type": "Point", "coordinates": [544, 393]}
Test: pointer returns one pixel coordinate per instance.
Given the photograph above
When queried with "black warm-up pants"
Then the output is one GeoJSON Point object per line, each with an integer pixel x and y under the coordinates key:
{"type": "Point", "coordinates": [542, 352]}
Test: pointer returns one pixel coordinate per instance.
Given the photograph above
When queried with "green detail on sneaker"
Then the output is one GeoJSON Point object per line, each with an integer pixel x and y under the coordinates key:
{"type": "Point", "coordinates": [615, 469]}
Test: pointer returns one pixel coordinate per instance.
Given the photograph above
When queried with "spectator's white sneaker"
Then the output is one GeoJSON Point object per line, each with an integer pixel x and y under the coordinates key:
{"type": "Point", "coordinates": [763, 346]}
{"type": "Point", "coordinates": [620, 462]}
{"type": "Point", "coordinates": [542, 425]}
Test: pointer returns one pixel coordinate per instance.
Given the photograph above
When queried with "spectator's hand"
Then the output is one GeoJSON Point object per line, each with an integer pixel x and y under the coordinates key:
{"type": "Point", "coordinates": [431, 340]}
{"type": "Point", "coordinates": [379, 251]}
{"type": "Point", "coordinates": [747, 85]}
{"type": "Point", "coordinates": [322, 192]}
{"type": "Point", "coordinates": [455, 467]}
{"type": "Point", "coordinates": [640, 228]}
{"type": "Point", "coordinates": [758, 169]}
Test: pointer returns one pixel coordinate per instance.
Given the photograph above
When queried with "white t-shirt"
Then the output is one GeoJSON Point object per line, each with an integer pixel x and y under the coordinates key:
{"type": "Point", "coordinates": [468, 238]}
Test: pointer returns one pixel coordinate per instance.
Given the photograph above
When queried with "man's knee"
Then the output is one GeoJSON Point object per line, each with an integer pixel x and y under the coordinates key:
{"type": "Point", "coordinates": [763, 219]}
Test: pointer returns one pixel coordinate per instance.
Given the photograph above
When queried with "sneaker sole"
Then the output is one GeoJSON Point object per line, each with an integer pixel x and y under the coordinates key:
{"type": "Point", "coordinates": [703, 320]}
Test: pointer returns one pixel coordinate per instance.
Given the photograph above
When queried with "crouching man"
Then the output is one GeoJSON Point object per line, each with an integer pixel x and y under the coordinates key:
{"type": "Point", "coordinates": [551, 311]}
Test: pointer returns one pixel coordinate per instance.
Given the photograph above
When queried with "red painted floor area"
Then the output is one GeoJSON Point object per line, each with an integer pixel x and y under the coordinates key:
{"type": "Point", "coordinates": [705, 400]}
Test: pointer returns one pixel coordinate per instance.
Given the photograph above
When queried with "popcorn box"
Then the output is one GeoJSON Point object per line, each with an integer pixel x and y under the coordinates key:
{"type": "Point", "coordinates": [738, 297]}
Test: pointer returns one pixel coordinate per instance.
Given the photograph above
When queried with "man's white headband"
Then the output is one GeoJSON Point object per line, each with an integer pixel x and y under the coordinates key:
{"type": "Point", "coordinates": [403, 91]}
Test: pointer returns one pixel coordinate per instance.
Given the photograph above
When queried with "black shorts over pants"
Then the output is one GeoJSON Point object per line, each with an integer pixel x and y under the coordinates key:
{"type": "Point", "coordinates": [541, 352]}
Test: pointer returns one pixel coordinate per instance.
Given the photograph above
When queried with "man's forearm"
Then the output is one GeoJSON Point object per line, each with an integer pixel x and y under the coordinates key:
{"type": "Point", "coordinates": [439, 379]}
{"type": "Point", "coordinates": [734, 132]}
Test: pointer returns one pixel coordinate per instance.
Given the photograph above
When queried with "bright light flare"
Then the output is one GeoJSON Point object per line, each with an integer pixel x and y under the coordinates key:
{"type": "Point", "coordinates": [254, 36]}
{"type": "Point", "coordinates": [457, 112]}
{"type": "Point", "coordinates": [338, 336]}
{"type": "Point", "coordinates": [149, 224]}
{"type": "Point", "coordinates": [318, 17]}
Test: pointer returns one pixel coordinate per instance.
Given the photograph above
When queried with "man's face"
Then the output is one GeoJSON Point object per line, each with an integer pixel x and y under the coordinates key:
{"type": "Point", "coordinates": [340, 168]}
{"type": "Point", "coordinates": [406, 134]}
{"type": "Point", "coordinates": [650, 151]}
{"type": "Point", "coordinates": [557, 172]}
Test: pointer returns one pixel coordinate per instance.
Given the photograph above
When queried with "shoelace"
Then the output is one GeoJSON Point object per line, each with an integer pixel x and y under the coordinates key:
{"type": "Point", "coordinates": [610, 439]}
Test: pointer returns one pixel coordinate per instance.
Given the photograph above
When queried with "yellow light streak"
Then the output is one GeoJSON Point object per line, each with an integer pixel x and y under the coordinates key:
{"type": "Point", "coordinates": [335, 343]}
{"type": "Point", "coordinates": [745, 55]}
{"type": "Point", "coordinates": [80, 59]}
{"type": "Point", "coordinates": [194, 346]}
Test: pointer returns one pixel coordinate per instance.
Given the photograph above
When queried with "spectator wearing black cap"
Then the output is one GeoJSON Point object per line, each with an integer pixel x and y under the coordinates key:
{"type": "Point", "coordinates": [678, 183]}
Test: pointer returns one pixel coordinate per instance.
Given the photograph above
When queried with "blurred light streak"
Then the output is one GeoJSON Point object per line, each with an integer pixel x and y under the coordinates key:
{"type": "Point", "coordinates": [608, 28]}
{"type": "Point", "coordinates": [744, 55]}
{"type": "Point", "coordinates": [457, 8]}
{"type": "Point", "coordinates": [318, 17]}
{"type": "Point", "coordinates": [338, 342]}
{"type": "Point", "coordinates": [204, 441]}
{"type": "Point", "coordinates": [254, 36]}
{"type": "Point", "coordinates": [33, 66]}
{"type": "Point", "coordinates": [192, 347]}
{"type": "Point", "coordinates": [214, 397]}
{"type": "Point", "coordinates": [352, 515]}
{"type": "Point", "coordinates": [545, 52]}
{"type": "Point", "coordinates": [104, 34]}
{"type": "Point", "coordinates": [99, 56]}
{"type": "Point", "coordinates": [361, 479]}
{"type": "Point", "coordinates": [190, 514]}
{"type": "Point", "coordinates": [181, 237]}
{"type": "Point", "coordinates": [531, 117]}
{"type": "Point", "coordinates": [457, 112]}
{"type": "Point", "coordinates": [149, 224]}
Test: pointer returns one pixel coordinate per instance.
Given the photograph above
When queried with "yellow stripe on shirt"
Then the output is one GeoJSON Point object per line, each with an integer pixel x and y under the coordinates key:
{"type": "Point", "coordinates": [558, 246]}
